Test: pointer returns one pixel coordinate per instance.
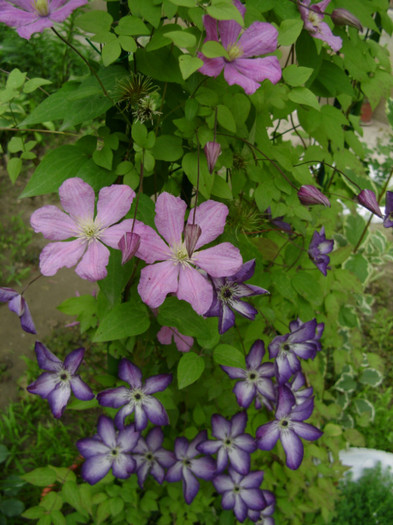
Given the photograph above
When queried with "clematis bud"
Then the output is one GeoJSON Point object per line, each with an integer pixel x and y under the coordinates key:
{"type": "Point", "coordinates": [342, 17]}
{"type": "Point", "coordinates": [192, 232]}
{"type": "Point", "coordinates": [129, 245]}
{"type": "Point", "coordinates": [212, 152]}
{"type": "Point", "coordinates": [368, 199]}
{"type": "Point", "coordinates": [309, 194]}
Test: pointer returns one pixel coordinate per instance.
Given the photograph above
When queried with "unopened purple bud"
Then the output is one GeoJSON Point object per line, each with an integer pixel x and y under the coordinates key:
{"type": "Point", "coordinates": [368, 199]}
{"type": "Point", "coordinates": [309, 194]}
{"type": "Point", "coordinates": [129, 245]}
{"type": "Point", "coordinates": [212, 152]}
{"type": "Point", "coordinates": [342, 17]}
{"type": "Point", "coordinates": [192, 232]}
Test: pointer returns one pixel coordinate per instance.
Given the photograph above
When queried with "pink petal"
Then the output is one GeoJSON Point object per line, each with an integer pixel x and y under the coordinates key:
{"type": "Point", "coordinates": [258, 39]}
{"type": "Point", "coordinates": [212, 67]}
{"type": "Point", "coordinates": [210, 28]}
{"type": "Point", "coordinates": [165, 335]}
{"type": "Point", "coordinates": [183, 342]}
{"type": "Point", "coordinates": [64, 12]}
{"type": "Point", "coordinates": [195, 289]}
{"type": "Point", "coordinates": [111, 236]}
{"type": "Point", "coordinates": [58, 255]}
{"type": "Point", "coordinates": [113, 203]}
{"type": "Point", "coordinates": [53, 224]}
{"type": "Point", "coordinates": [210, 216]}
{"type": "Point", "coordinates": [169, 218]}
{"type": "Point", "coordinates": [77, 198]}
{"type": "Point", "coordinates": [157, 281]}
{"type": "Point", "coordinates": [106, 431]}
{"type": "Point", "coordinates": [58, 399]}
{"type": "Point", "coordinates": [93, 264]}
{"type": "Point", "coordinates": [229, 31]}
{"type": "Point", "coordinates": [220, 260]}
{"type": "Point", "coordinates": [152, 248]}
{"type": "Point", "coordinates": [243, 70]}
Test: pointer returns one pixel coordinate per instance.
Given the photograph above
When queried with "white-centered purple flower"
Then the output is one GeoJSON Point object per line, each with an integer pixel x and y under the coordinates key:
{"type": "Point", "coordinates": [183, 342]}
{"type": "Point", "coordinates": [289, 427]}
{"type": "Point", "coordinates": [368, 199]}
{"type": "Point", "coordinates": [240, 493]}
{"type": "Point", "coordinates": [33, 16]}
{"type": "Point", "coordinates": [303, 341]}
{"type": "Point", "coordinates": [299, 388]}
{"type": "Point", "coordinates": [188, 466]}
{"type": "Point", "coordinates": [18, 305]}
{"type": "Point", "coordinates": [231, 444]}
{"type": "Point", "coordinates": [108, 449]}
{"type": "Point", "coordinates": [312, 16]}
{"type": "Point", "coordinates": [227, 295]}
{"type": "Point", "coordinates": [239, 66]}
{"type": "Point", "coordinates": [264, 517]}
{"type": "Point", "coordinates": [309, 195]}
{"type": "Point", "coordinates": [151, 457]}
{"type": "Point", "coordinates": [178, 270]}
{"type": "Point", "coordinates": [388, 217]}
{"type": "Point", "coordinates": [138, 398]}
{"type": "Point", "coordinates": [319, 249]}
{"type": "Point", "coordinates": [60, 379]}
{"type": "Point", "coordinates": [255, 379]}
{"type": "Point", "coordinates": [90, 234]}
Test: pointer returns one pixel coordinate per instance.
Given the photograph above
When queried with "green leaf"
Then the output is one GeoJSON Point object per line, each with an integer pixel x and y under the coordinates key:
{"type": "Point", "coordinates": [189, 369]}
{"type": "Point", "coordinates": [213, 49]}
{"type": "Point", "coordinates": [190, 167]}
{"type": "Point", "coordinates": [57, 518]}
{"type": "Point", "coordinates": [289, 31]}
{"type": "Point", "coordinates": [139, 134]}
{"type": "Point", "coordinates": [150, 11]}
{"type": "Point", "coordinates": [78, 305]}
{"type": "Point", "coordinates": [4, 453]}
{"type": "Point", "coordinates": [15, 79]}
{"type": "Point", "coordinates": [345, 383]}
{"type": "Point", "coordinates": [94, 21]}
{"type": "Point", "coordinates": [111, 52]}
{"type": "Point", "coordinates": [296, 75]}
{"type": "Point", "coordinates": [308, 285]}
{"type": "Point", "coordinates": [104, 157]}
{"type": "Point", "coordinates": [124, 320]}
{"type": "Point", "coordinates": [364, 407]}
{"type": "Point", "coordinates": [52, 501]}
{"type": "Point", "coordinates": [41, 477]}
{"type": "Point", "coordinates": [33, 513]}
{"type": "Point", "coordinates": [34, 83]}
{"type": "Point", "coordinates": [332, 430]}
{"type": "Point", "coordinates": [228, 355]}
{"type": "Point", "coordinates": [302, 95]}
{"type": "Point", "coordinates": [221, 188]}
{"type": "Point", "coordinates": [14, 167]}
{"type": "Point", "coordinates": [11, 507]}
{"type": "Point", "coordinates": [371, 377]}
{"type": "Point", "coordinates": [131, 25]}
{"type": "Point", "coordinates": [161, 64]}
{"type": "Point", "coordinates": [359, 265]}
{"type": "Point", "coordinates": [127, 43]}
{"type": "Point", "coordinates": [188, 65]}
{"type": "Point", "coordinates": [225, 11]}
{"type": "Point", "coordinates": [184, 3]}
{"type": "Point", "coordinates": [168, 148]}
{"type": "Point", "coordinates": [182, 38]}
{"type": "Point", "coordinates": [225, 118]}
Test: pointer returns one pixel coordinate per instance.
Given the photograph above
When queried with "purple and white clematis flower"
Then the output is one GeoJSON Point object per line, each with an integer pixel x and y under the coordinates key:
{"type": "Point", "coordinates": [296, 385]}
{"type": "Point", "coordinates": [183, 342]}
{"type": "Point", "coordinates": [56, 383]}
{"type": "Point", "coordinates": [368, 199]}
{"type": "Point", "coordinates": [138, 398]}
{"type": "Point", "coordinates": [151, 457]}
{"type": "Point", "coordinates": [240, 493]}
{"type": "Point", "coordinates": [232, 444]}
{"type": "Point", "coordinates": [388, 217]}
{"type": "Point", "coordinates": [178, 272]}
{"type": "Point", "coordinates": [264, 517]}
{"type": "Point", "coordinates": [188, 465]}
{"type": "Point", "coordinates": [18, 305]}
{"type": "Point", "coordinates": [33, 16]}
{"type": "Point", "coordinates": [108, 449]}
{"type": "Point", "coordinates": [303, 341]}
{"type": "Point", "coordinates": [312, 16]}
{"type": "Point", "coordinates": [239, 65]}
{"type": "Point", "coordinates": [255, 379]}
{"type": "Point", "coordinates": [289, 428]}
{"type": "Point", "coordinates": [319, 249]}
{"type": "Point", "coordinates": [78, 200]}
{"type": "Point", "coordinates": [227, 294]}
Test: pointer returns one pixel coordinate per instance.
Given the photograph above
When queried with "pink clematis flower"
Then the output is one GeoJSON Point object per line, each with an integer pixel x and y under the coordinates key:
{"type": "Point", "coordinates": [312, 16]}
{"type": "Point", "coordinates": [77, 198]}
{"type": "Point", "coordinates": [178, 270]}
{"type": "Point", "coordinates": [239, 67]}
{"type": "Point", "coordinates": [183, 342]}
{"type": "Point", "coordinates": [33, 16]}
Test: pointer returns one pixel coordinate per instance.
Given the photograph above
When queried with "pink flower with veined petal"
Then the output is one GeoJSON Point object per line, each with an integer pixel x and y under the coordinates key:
{"type": "Point", "coordinates": [312, 16]}
{"type": "Point", "coordinates": [178, 270]}
{"type": "Point", "coordinates": [239, 67]}
{"type": "Point", "coordinates": [78, 200]}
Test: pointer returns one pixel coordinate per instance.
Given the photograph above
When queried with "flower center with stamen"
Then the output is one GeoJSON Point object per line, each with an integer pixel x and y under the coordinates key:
{"type": "Point", "coordinates": [234, 52]}
{"type": "Point", "coordinates": [64, 376]}
{"type": "Point", "coordinates": [236, 488]}
{"type": "Point", "coordinates": [137, 396]}
{"type": "Point", "coordinates": [314, 18]}
{"type": "Point", "coordinates": [284, 423]}
{"type": "Point", "coordinates": [286, 347]}
{"type": "Point", "coordinates": [186, 462]}
{"type": "Point", "coordinates": [227, 443]}
{"type": "Point", "coordinates": [252, 376]}
{"type": "Point", "coordinates": [149, 456]}
{"type": "Point", "coordinates": [41, 7]}
{"type": "Point", "coordinates": [89, 230]}
{"type": "Point", "coordinates": [180, 254]}
{"type": "Point", "coordinates": [114, 452]}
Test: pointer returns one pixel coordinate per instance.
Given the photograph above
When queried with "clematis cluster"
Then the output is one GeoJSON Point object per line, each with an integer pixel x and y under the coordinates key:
{"type": "Point", "coordinates": [34, 16]}
{"type": "Point", "coordinates": [238, 65]}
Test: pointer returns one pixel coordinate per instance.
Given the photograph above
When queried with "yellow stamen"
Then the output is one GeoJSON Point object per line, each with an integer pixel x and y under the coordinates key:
{"type": "Point", "coordinates": [234, 52]}
{"type": "Point", "coordinates": [41, 6]}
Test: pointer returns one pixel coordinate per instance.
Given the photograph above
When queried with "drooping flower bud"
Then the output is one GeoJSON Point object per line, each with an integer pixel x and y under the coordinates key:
{"type": "Point", "coordinates": [368, 199]}
{"type": "Point", "coordinates": [129, 245]}
{"type": "Point", "coordinates": [192, 232]}
{"type": "Point", "coordinates": [309, 194]}
{"type": "Point", "coordinates": [342, 17]}
{"type": "Point", "coordinates": [212, 152]}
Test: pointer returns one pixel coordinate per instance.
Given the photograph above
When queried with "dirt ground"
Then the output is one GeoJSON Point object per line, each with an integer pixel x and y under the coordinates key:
{"type": "Point", "coordinates": [43, 297]}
